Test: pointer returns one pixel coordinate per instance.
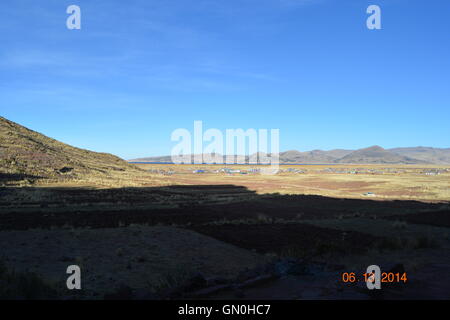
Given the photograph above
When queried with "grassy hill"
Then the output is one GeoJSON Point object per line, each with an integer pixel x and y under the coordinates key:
{"type": "Point", "coordinates": [27, 157]}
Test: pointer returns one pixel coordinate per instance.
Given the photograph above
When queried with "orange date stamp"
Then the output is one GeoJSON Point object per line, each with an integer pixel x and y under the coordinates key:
{"type": "Point", "coordinates": [386, 277]}
{"type": "Point", "coordinates": [374, 278]}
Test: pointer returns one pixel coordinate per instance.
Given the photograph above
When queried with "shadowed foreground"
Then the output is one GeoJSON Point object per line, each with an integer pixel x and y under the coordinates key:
{"type": "Point", "coordinates": [220, 241]}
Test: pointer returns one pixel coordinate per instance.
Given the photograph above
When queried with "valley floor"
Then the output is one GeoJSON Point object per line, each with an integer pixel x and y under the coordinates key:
{"type": "Point", "coordinates": [216, 235]}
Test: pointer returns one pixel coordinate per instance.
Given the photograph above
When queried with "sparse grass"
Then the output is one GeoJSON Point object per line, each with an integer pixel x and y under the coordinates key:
{"type": "Point", "coordinates": [393, 244]}
{"type": "Point", "coordinates": [319, 249]}
{"type": "Point", "coordinates": [399, 224]}
{"type": "Point", "coordinates": [119, 252]}
{"type": "Point", "coordinates": [402, 243]}
{"type": "Point", "coordinates": [424, 242]}
{"type": "Point", "coordinates": [260, 219]}
{"type": "Point", "coordinates": [172, 279]}
{"type": "Point", "coordinates": [24, 286]}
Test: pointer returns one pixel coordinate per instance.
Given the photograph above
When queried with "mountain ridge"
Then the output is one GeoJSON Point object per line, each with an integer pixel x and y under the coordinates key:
{"type": "Point", "coordinates": [370, 155]}
{"type": "Point", "coordinates": [29, 153]}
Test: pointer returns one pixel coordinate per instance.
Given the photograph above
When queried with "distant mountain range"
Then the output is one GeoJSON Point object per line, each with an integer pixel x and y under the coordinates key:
{"type": "Point", "coordinates": [371, 155]}
{"type": "Point", "coordinates": [26, 154]}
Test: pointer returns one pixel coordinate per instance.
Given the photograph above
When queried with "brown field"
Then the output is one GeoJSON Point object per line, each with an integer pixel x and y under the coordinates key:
{"type": "Point", "coordinates": [386, 182]}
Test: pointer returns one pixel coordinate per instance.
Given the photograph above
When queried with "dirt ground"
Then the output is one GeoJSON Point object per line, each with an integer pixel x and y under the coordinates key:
{"type": "Point", "coordinates": [136, 256]}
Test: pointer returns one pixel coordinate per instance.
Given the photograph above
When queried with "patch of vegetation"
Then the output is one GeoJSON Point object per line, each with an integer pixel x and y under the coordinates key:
{"type": "Point", "coordinates": [399, 224]}
{"type": "Point", "coordinates": [260, 219]}
{"type": "Point", "coordinates": [172, 279]}
{"type": "Point", "coordinates": [391, 244]}
{"type": "Point", "coordinates": [424, 242]}
{"type": "Point", "coordinates": [401, 243]}
{"type": "Point", "coordinates": [29, 157]}
{"type": "Point", "coordinates": [23, 286]}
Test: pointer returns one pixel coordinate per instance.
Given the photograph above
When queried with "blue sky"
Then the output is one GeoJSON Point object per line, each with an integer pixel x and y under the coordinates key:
{"type": "Point", "coordinates": [139, 69]}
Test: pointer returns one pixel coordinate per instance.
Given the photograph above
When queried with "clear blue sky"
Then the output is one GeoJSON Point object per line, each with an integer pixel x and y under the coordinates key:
{"type": "Point", "coordinates": [139, 69]}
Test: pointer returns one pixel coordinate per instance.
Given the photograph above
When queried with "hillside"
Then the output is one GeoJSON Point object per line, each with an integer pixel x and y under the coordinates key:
{"type": "Point", "coordinates": [374, 155]}
{"type": "Point", "coordinates": [27, 156]}
{"type": "Point", "coordinates": [311, 157]}
{"type": "Point", "coordinates": [427, 154]}
{"type": "Point", "coordinates": [315, 156]}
